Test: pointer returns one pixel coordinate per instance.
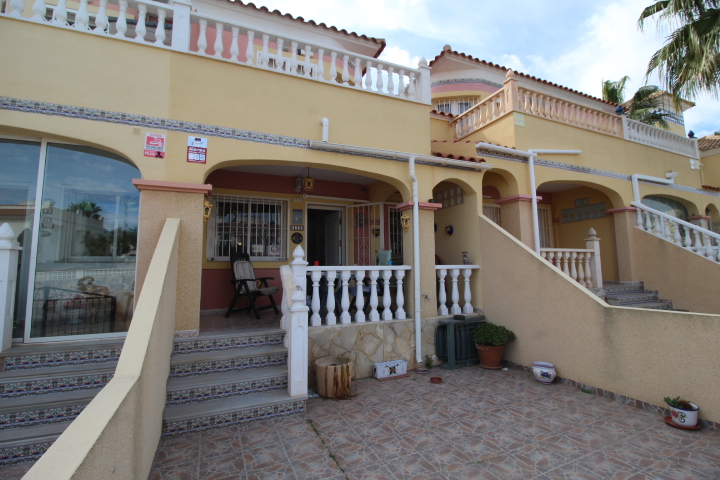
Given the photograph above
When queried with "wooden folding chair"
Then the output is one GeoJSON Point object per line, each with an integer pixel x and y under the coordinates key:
{"type": "Point", "coordinates": [247, 285]}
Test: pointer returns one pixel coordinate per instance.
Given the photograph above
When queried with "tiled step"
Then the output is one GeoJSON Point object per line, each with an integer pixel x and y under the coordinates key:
{"type": "Point", "coordinates": [613, 288]}
{"type": "Point", "coordinates": [32, 410]}
{"type": "Point", "coordinates": [27, 444]}
{"type": "Point", "coordinates": [54, 354]}
{"type": "Point", "coordinates": [256, 337]}
{"type": "Point", "coordinates": [203, 363]}
{"type": "Point", "coordinates": [195, 417]}
{"type": "Point", "coordinates": [659, 305]}
{"type": "Point", "coordinates": [200, 388]}
{"type": "Point", "coordinates": [632, 298]}
{"type": "Point", "coordinates": [20, 383]}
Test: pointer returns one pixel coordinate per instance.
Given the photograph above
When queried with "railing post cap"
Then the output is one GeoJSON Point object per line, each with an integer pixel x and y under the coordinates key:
{"type": "Point", "coordinates": [6, 235]}
{"type": "Point", "coordinates": [422, 63]}
{"type": "Point", "coordinates": [298, 255]}
{"type": "Point", "coordinates": [510, 74]}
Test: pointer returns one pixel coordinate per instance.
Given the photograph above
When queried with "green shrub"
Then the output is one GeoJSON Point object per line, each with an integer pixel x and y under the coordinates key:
{"type": "Point", "coordinates": [492, 335]}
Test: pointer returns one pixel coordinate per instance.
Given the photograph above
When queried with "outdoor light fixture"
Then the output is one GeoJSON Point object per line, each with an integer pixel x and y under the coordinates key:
{"type": "Point", "coordinates": [308, 182]}
{"type": "Point", "coordinates": [207, 208]}
{"type": "Point", "coordinates": [619, 110]}
{"type": "Point", "coordinates": [405, 221]}
{"type": "Point", "coordinates": [298, 184]}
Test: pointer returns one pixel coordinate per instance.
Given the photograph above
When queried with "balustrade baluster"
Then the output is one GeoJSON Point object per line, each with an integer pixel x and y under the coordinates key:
{"type": "Point", "coordinates": [387, 300]}
{"type": "Point", "coordinates": [307, 66]}
{"type": "Point", "coordinates": [39, 8]}
{"type": "Point", "coordinates": [581, 268]}
{"type": "Point", "coordinates": [59, 14]}
{"type": "Point", "coordinates": [411, 88]}
{"type": "Point", "coordinates": [140, 28]}
{"type": "Point", "coordinates": [401, 86]}
{"type": "Point", "coordinates": [345, 298]}
{"type": "Point", "coordinates": [367, 81]}
{"type": "Point", "coordinates": [160, 29]}
{"type": "Point", "coordinates": [698, 242]}
{"type": "Point", "coordinates": [588, 273]}
{"type": "Point", "coordinates": [321, 64]}
{"type": "Point", "coordinates": [15, 8]}
{"type": "Point", "coordinates": [101, 20]}
{"type": "Point", "coordinates": [234, 47]}
{"type": "Point", "coordinates": [264, 60]}
{"type": "Point", "coordinates": [391, 81]}
{"type": "Point", "coordinates": [442, 295]}
{"type": "Point", "coordinates": [400, 297]}
{"type": "Point", "coordinates": [333, 67]}
{"type": "Point", "coordinates": [565, 259]}
{"type": "Point", "coordinates": [455, 308]}
{"type": "Point", "coordinates": [345, 70]}
{"type": "Point", "coordinates": [639, 219]}
{"type": "Point", "coordinates": [250, 50]}
{"type": "Point", "coordinates": [648, 222]}
{"type": "Point", "coordinates": [202, 37]}
{"type": "Point", "coordinates": [121, 23]}
{"type": "Point", "coordinates": [708, 247]}
{"type": "Point", "coordinates": [665, 228]}
{"type": "Point", "coordinates": [357, 74]}
{"type": "Point", "coordinates": [543, 254]}
{"type": "Point", "coordinates": [359, 296]}
{"type": "Point", "coordinates": [330, 304]}
{"type": "Point", "coordinates": [292, 64]}
{"type": "Point", "coordinates": [82, 18]}
{"type": "Point", "coordinates": [374, 315]}
{"type": "Point", "coordinates": [573, 267]}
{"type": "Point", "coordinates": [676, 234]}
{"type": "Point", "coordinates": [279, 57]}
{"type": "Point", "coordinates": [315, 303]}
{"type": "Point", "coordinates": [379, 82]}
{"type": "Point", "coordinates": [687, 240]}
{"type": "Point", "coordinates": [218, 46]}
{"type": "Point", "coordinates": [467, 294]}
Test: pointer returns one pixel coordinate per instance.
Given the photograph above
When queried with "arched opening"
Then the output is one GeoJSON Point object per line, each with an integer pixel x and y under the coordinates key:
{"type": "Point", "coordinates": [667, 205]}
{"type": "Point", "coordinates": [455, 241]}
{"type": "Point", "coordinates": [74, 210]}
{"type": "Point", "coordinates": [714, 221]}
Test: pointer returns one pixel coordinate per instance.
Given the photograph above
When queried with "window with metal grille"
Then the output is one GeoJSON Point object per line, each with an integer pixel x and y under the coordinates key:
{"type": "Point", "coordinates": [253, 225]}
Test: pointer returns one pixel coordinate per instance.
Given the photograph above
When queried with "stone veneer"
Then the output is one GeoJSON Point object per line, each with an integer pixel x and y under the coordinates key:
{"type": "Point", "coordinates": [370, 342]}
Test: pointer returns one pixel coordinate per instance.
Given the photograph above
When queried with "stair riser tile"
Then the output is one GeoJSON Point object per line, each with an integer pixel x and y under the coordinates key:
{"type": "Point", "coordinates": [25, 453]}
{"type": "Point", "coordinates": [234, 418]}
{"type": "Point", "coordinates": [197, 395]}
{"type": "Point", "coordinates": [217, 366]}
{"type": "Point", "coordinates": [238, 343]}
{"type": "Point", "coordinates": [40, 387]}
{"type": "Point", "coordinates": [28, 362]}
{"type": "Point", "coordinates": [41, 416]}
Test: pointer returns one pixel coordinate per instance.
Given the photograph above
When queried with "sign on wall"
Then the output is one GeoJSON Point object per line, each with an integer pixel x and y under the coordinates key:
{"type": "Point", "coordinates": [197, 149]}
{"type": "Point", "coordinates": [154, 145]}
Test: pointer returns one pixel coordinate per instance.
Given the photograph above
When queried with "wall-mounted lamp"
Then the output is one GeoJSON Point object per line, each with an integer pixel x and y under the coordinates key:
{"type": "Point", "coordinates": [308, 182]}
{"type": "Point", "coordinates": [405, 221]}
{"type": "Point", "coordinates": [207, 208]}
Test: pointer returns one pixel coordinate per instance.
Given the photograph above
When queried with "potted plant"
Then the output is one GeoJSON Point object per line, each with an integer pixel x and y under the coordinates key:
{"type": "Point", "coordinates": [682, 412]}
{"type": "Point", "coordinates": [490, 341]}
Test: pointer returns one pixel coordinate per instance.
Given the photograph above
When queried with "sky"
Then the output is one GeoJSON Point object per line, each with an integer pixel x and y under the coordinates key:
{"type": "Point", "coordinates": [575, 43]}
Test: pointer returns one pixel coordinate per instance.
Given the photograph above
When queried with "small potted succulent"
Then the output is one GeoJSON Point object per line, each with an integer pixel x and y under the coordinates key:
{"type": "Point", "coordinates": [490, 341]}
{"type": "Point", "coordinates": [682, 412]}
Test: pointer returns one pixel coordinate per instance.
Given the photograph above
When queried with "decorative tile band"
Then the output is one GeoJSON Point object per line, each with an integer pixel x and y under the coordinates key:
{"type": "Point", "coordinates": [466, 80]}
{"type": "Point", "coordinates": [195, 395]}
{"type": "Point", "coordinates": [233, 418]}
{"type": "Point", "coordinates": [648, 407]}
{"type": "Point", "coordinates": [24, 453]}
{"type": "Point", "coordinates": [40, 360]}
{"type": "Point", "coordinates": [217, 344]}
{"type": "Point", "coordinates": [587, 170]}
{"type": "Point", "coordinates": [53, 385]}
{"type": "Point", "coordinates": [218, 366]}
{"type": "Point", "coordinates": [40, 416]}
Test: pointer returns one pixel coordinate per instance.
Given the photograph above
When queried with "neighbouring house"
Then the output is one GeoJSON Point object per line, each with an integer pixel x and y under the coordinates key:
{"type": "Point", "coordinates": [144, 143]}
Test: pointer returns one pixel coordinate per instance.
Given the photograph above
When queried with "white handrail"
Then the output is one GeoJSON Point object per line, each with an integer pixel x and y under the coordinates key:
{"type": "Point", "coordinates": [691, 226]}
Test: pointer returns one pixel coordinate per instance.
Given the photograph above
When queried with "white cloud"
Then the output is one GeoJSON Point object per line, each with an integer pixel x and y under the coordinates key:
{"type": "Point", "coordinates": [399, 56]}
{"type": "Point", "coordinates": [514, 62]}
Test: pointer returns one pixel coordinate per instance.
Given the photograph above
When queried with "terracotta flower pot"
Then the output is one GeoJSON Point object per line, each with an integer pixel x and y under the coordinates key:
{"type": "Point", "coordinates": [490, 357]}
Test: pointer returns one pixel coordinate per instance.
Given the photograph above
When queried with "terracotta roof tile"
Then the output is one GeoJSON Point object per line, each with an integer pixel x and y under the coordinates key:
{"type": "Point", "coordinates": [380, 41]}
{"type": "Point", "coordinates": [458, 157]}
{"type": "Point", "coordinates": [448, 51]}
{"type": "Point", "coordinates": [708, 187]}
{"type": "Point", "coordinates": [709, 142]}
{"type": "Point", "coordinates": [437, 112]}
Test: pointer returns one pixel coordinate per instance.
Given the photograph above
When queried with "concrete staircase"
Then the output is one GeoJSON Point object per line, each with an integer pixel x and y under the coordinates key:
{"type": "Point", "coordinates": [633, 294]}
{"type": "Point", "coordinates": [215, 381]}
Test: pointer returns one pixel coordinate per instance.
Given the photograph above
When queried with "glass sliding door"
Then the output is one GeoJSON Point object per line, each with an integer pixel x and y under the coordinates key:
{"type": "Point", "coordinates": [84, 275]}
{"type": "Point", "coordinates": [18, 184]}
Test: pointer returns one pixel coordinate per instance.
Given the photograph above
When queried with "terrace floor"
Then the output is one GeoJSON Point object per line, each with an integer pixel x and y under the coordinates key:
{"type": "Point", "coordinates": [477, 424]}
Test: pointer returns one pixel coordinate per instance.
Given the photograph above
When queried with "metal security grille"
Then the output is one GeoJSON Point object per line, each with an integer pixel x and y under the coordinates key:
{"type": "Point", "coordinates": [456, 106]}
{"type": "Point", "coordinates": [396, 233]}
{"type": "Point", "coordinates": [545, 224]}
{"type": "Point", "coordinates": [492, 211]}
{"type": "Point", "coordinates": [365, 233]}
{"type": "Point", "coordinates": [253, 225]}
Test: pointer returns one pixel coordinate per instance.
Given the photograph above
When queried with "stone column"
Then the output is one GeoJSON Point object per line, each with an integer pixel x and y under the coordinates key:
{"type": "Point", "coordinates": [8, 283]}
{"type": "Point", "coordinates": [516, 213]}
{"type": "Point", "coordinates": [624, 220]}
{"type": "Point", "coordinates": [160, 200]}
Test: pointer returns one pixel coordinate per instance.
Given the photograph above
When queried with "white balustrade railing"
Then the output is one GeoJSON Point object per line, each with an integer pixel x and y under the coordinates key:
{"type": "Point", "coordinates": [481, 114]}
{"type": "Point", "coordinates": [659, 138]}
{"type": "Point", "coordinates": [543, 105]}
{"type": "Point", "coordinates": [684, 234]}
{"type": "Point", "coordinates": [581, 264]}
{"type": "Point", "coordinates": [176, 26]}
{"type": "Point", "coordinates": [451, 283]}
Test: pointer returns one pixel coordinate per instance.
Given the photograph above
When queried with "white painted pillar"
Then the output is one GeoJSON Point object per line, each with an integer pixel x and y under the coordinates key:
{"type": "Point", "coordinates": [298, 345]}
{"type": "Point", "coordinates": [593, 243]}
{"type": "Point", "coordinates": [8, 282]}
{"type": "Point", "coordinates": [423, 90]}
{"type": "Point", "coordinates": [181, 25]}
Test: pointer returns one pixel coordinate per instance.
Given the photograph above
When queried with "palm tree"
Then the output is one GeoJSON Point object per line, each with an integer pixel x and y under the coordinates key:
{"type": "Point", "coordinates": [645, 106]}
{"type": "Point", "coordinates": [689, 62]}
